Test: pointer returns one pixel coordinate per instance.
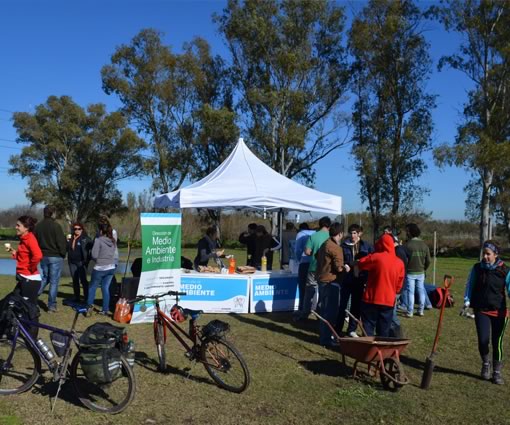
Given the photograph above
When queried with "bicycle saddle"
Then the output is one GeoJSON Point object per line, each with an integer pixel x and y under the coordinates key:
{"type": "Point", "coordinates": [195, 314]}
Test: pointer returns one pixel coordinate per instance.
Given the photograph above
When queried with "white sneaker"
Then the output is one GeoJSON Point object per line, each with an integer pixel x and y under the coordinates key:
{"type": "Point", "coordinates": [353, 334]}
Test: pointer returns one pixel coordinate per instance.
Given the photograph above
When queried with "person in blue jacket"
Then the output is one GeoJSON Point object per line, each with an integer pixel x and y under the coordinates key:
{"type": "Point", "coordinates": [486, 289]}
{"type": "Point", "coordinates": [354, 282]}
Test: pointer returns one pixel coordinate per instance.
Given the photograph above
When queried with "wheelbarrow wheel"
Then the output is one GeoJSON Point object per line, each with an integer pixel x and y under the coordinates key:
{"type": "Point", "coordinates": [392, 375]}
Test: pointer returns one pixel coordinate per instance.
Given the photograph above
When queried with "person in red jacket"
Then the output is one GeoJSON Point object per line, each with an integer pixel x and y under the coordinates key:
{"type": "Point", "coordinates": [27, 256]}
{"type": "Point", "coordinates": [385, 278]}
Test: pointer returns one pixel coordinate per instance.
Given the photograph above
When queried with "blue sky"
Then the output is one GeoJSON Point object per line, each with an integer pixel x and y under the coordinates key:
{"type": "Point", "coordinates": [58, 48]}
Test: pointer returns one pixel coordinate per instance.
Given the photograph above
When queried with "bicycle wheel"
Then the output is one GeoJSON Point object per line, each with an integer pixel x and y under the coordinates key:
{"type": "Point", "coordinates": [225, 364]}
{"type": "Point", "coordinates": [113, 397]}
{"type": "Point", "coordinates": [21, 372]}
{"type": "Point", "coordinates": [159, 338]}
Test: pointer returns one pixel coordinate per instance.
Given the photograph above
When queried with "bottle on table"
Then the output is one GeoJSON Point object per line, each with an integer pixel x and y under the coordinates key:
{"type": "Point", "coordinates": [232, 265]}
{"type": "Point", "coordinates": [263, 264]}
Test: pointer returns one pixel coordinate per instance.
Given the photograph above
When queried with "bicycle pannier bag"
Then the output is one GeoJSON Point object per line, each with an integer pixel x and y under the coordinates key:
{"type": "Point", "coordinates": [59, 342]}
{"type": "Point", "coordinates": [99, 355]}
{"type": "Point", "coordinates": [101, 365]}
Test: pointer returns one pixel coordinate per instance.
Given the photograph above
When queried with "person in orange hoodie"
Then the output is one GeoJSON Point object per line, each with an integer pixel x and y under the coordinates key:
{"type": "Point", "coordinates": [385, 278]}
{"type": "Point", "coordinates": [27, 256]}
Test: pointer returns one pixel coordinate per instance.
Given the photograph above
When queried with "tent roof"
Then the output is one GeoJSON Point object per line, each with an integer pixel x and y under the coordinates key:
{"type": "Point", "coordinates": [243, 180]}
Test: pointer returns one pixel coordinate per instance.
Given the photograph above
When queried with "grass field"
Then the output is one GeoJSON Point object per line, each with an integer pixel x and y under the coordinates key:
{"type": "Point", "coordinates": [294, 380]}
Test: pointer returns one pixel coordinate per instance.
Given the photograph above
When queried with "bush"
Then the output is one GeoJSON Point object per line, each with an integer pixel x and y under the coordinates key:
{"type": "Point", "coordinates": [7, 233]}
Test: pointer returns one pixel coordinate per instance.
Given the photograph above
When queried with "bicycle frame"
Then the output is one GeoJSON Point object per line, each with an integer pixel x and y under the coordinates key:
{"type": "Point", "coordinates": [20, 329]}
{"type": "Point", "coordinates": [176, 330]}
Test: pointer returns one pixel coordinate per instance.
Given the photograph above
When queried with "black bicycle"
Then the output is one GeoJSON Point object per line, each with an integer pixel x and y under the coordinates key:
{"type": "Point", "coordinates": [20, 365]}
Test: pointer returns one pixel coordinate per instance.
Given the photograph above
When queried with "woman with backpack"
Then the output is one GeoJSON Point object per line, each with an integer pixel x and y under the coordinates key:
{"type": "Point", "coordinates": [486, 289]}
{"type": "Point", "coordinates": [78, 247]}
{"type": "Point", "coordinates": [27, 256]}
{"type": "Point", "coordinates": [103, 253]}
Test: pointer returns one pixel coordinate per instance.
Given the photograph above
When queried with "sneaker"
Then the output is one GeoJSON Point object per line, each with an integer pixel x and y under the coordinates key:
{"type": "Point", "coordinates": [52, 309]}
{"type": "Point", "coordinates": [486, 371]}
{"type": "Point", "coordinates": [420, 313]}
{"type": "Point", "coordinates": [353, 334]}
{"type": "Point", "coordinates": [104, 313]}
{"type": "Point", "coordinates": [408, 315]}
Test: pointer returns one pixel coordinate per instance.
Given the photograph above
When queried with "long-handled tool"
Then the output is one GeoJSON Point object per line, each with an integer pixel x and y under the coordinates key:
{"type": "Point", "coordinates": [429, 363]}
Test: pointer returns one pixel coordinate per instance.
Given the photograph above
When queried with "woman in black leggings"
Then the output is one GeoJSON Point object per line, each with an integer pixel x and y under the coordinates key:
{"type": "Point", "coordinates": [486, 290]}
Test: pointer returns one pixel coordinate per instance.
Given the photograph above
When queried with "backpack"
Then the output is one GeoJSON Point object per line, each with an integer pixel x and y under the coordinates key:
{"type": "Point", "coordinates": [436, 298]}
{"type": "Point", "coordinates": [23, 309]}
{"type": "Point", "coordinates": [100, 357]}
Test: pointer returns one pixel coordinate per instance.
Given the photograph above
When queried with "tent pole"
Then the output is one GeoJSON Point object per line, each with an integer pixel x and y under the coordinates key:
{"type": "Point", "coordinates": [280, 235]}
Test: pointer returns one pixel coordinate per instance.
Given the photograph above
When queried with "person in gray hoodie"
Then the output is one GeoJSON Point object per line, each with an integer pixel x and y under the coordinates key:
{"type": "Point", "coordinates": [103, 253]}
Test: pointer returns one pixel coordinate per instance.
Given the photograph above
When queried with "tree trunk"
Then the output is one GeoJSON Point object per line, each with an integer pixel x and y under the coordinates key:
{"type": "Point", "coordinates": [506, 221]}
{"type": "Point", "coordinates": [487, 179]}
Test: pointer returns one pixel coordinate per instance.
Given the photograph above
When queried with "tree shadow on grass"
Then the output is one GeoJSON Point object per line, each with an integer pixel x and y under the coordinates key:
{"type": "Point", "coordinates": [144, 361]}
{"type": "Point", "coordinates": [289, 318]}
{"type": "Point", "coordinates": [420, 365]}
{"type": "Point", "coordinates": [275, 327]}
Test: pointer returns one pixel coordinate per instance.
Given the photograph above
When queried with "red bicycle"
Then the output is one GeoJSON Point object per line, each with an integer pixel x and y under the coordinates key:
{"type": "Point", "coordinates": [204, 344]}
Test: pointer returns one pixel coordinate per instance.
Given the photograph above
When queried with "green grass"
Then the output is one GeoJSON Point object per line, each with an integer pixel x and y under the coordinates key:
{"type": "Point", "coordinates": [294, 381]}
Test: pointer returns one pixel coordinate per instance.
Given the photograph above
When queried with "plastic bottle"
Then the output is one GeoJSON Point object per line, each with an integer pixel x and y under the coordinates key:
{"type": "Point", "coordinates": [232, 265]}
{"type": "Point", "coordinates": [263, 264]}
{"type": "Point", "coordinates": [45, 349]}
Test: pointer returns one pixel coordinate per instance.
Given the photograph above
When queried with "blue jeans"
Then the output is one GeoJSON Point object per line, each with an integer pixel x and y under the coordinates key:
{"type": "Point", "coordinates": [415, 281]}
{"type": "Point", "coordinates": [329, 300]}
{"type": "Point", "coordinates": [311, 294]}
{"type": "Point", "coordinates": [376, 319]}
{"type": "Point", "coordinates": [103, 278]}
{"type": "Point", "coordinates": [51, 269]}
{"type": "Point", "coordinates": [402, 303]}
{"type": "Point", "coordinates": [302, 275]}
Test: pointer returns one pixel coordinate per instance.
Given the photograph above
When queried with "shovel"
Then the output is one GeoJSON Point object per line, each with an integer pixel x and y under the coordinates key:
{"type": "Point", "coordinates": [429, 363]}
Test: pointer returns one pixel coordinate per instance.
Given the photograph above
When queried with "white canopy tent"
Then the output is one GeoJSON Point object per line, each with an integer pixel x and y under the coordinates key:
{"type": "Point", "coordinates": [243, 180]}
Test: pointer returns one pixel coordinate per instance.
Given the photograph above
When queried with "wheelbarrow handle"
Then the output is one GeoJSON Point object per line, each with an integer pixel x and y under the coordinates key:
{"type": "Point", "coordinates": [331, 328]}
{"type": "Point", "coordinates": [359, 323]}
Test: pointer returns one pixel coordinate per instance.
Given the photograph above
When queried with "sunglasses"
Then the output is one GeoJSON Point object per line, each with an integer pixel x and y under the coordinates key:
{"type": "Point", "coordinates": [77, 228]}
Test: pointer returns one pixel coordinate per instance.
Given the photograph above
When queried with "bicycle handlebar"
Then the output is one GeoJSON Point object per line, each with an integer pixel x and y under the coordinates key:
{"type": "Point", "coordinates": [152, 297]}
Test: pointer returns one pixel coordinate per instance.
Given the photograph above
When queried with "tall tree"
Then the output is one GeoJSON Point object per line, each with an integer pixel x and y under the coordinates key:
{"type": "Point", "coordinates": [172, 99]}
{"type": "Point", "coordinates": [481, 144]}
{"type": "Point", "coordinates": [74, 158]}
{"type": "Point", "coordinates": [289, 65]}
{"type": "Point", "coordinates": [392, 112]}
{"type": "Point", "coordinates": [217, 131]}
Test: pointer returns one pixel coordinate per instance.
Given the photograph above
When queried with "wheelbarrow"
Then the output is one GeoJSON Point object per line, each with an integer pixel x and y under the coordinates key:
{"type": "Point", "coordinates": [381, 354]}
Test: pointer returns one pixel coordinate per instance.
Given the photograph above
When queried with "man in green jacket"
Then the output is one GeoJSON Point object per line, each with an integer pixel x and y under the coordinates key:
{"type": "Point", "coordinates": [52, 242]}
{"type": "Point", "coordinates": [419, 260]}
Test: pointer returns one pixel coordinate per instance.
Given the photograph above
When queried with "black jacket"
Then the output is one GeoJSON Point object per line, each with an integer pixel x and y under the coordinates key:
{"type": "Point", "coordinates": [81, 253]}
{"type": "Point", "coordinates": [249, 241]}
{"type": "Point", "coordinates": [51, 238]}
{"type": "Point", "coordinates": [489, 289]}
